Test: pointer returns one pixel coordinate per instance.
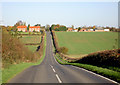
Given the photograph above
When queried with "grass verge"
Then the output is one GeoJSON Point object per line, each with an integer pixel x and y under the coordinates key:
{"type": "Point", "coordinates": [13, 70]}
{"type": "Point", "coordinates": [114, 75]}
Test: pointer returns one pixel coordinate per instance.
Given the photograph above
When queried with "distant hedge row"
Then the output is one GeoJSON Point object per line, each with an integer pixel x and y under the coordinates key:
{"type": "Point", "coordinates": [41, 46]}
{"type": "Point", "coordinates": [107, 58]}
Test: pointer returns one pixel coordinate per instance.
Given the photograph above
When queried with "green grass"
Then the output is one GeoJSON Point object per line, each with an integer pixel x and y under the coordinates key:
{"type": "Point", "coordinates": [81, 43]}
{"type": "Point", "coordinates": [13, 70]}
{"type": "Point", "coordinates": [30, 39]}
{"type": "Point", "coordinates": [32, 48]}
{"type": "Point", "coordinates": [99, 70]}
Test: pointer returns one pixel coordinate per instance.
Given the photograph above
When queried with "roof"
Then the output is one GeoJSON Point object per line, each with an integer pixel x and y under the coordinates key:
{"type": "Point", "coordinates": [75, 29]}
{"type": "Point", "coordinates": [21, 26]}
{"type": "Point", "coordinates": [34, 27]}
{"type": "Point", "coordinates": [70, 28]}
{"type": "Point", "coordinates": [99, 28]}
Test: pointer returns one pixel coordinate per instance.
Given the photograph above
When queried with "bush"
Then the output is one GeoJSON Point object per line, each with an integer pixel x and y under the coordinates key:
{"type": "Point", "coordinates": [14, 52]}
{"type": "Point", "coordinates": [107, 58]}
{"type": "Point", "coordinates": [63, 50]}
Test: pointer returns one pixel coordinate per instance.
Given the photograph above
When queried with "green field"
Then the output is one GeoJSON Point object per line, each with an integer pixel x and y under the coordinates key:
{"type": "Point", "coordinates": [31, 39]}
{"type": "Point", "coordinates": [32, 48]}
{"type": "Point", "coordinates": [81, 43]}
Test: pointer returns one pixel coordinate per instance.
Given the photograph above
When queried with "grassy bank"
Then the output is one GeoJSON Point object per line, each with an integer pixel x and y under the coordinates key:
{"type": "Point", "coordinates": [13, 70]}
{"type": "Point", "coordinates": [110, 73]}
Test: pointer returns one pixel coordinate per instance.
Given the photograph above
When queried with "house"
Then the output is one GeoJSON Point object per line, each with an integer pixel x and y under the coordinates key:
{"type": "Point", "coordinates": [70, 29]}
{"type": "Point", "coordinates": [75, 30]}
{"type": "Point", "coordinates": [83, 30]}
{"type": "Point", "coordinates": [106, 30]}
{"type": "Point", "coordinates": [99, 29]}
{"type": "Point", "coordinates": [22, 28]}
{"type": "Point", "coordinates": [34, 28]}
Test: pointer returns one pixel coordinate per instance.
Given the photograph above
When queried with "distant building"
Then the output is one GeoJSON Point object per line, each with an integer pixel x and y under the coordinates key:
{"type": "Point", "coordinates": [69, 29]}
{"type": "Point", "coordinates": [22, 28]}
{"type": "Point", "coordinates": [75, 30]}
{"type": "Point", "coordinates": [34, 28]}
{"type": "Point", "coordinates": [106, 30]}
{"type": "Point", "coordinates": [99, 29]}
{"type": "Point", "coordinates": [85, 30]}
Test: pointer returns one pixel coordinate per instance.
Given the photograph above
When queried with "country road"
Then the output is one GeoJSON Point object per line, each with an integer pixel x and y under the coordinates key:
{"type": "Point", "coordinates": [49, 71]}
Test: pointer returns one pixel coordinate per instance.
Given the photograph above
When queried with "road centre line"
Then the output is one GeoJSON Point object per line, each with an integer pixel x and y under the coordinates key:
{"type": "Point", "coordinates": [58, 78]}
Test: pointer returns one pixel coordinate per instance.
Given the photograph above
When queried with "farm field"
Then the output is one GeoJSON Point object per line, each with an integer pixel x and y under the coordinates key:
{"type": "Point", "coordinates": [32, 48]}
{"type": "Point", "coordinates": [82, 43]}
{"type": "Point", "coordinates": [31, 39]}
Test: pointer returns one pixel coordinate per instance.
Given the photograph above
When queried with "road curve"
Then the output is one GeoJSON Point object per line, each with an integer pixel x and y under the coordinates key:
{"type": "Point", "coordinates": [49, 71]}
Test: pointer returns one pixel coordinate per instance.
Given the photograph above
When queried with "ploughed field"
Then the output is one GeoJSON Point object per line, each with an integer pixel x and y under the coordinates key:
{"type": "Point", "coordinates": [82, 43]}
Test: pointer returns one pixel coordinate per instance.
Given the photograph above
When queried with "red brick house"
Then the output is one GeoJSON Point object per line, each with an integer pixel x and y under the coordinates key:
{"type": "Point", "coordinates": [22, 28]}
{"type": "Point", "coordinates": [34, 28]}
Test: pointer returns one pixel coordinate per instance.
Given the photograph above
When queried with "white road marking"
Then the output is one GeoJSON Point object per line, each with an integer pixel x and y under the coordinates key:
{"type": "Point", "coordinates": [53, 70]}
{"type": "Point", "coordinates": [96, 74]}
{"type": "Point", "coordinates": [58, 78]}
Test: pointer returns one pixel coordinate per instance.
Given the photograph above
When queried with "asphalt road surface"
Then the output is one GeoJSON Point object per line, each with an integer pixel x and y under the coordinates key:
{"type": "Point", "coordinates": [49, 71]}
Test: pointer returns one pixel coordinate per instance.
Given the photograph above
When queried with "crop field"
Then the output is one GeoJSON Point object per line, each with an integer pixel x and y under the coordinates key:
{"type": "Point", "coordinates": [82, 43]}
{"type": "Point", "coordinates": [31, 39]}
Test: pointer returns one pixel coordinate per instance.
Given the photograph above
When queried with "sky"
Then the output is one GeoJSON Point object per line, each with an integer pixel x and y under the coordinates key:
{"type": "Point", "coordinates": [64, 13]}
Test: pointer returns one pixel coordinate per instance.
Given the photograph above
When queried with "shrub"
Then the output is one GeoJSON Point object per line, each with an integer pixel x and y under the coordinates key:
{"type": "Point", "coordinates": [107, 58]}
{"type": "Point", "coordinates": [63, 50]}
{"type": "Point", "coordinates": [14, 52]}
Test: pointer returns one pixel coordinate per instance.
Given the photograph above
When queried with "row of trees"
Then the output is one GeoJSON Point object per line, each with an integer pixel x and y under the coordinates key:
{"type": "Point", "coordinates": [59, 27]}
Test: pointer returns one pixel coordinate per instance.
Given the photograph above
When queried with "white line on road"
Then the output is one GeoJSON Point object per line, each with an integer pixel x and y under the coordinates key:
{"type": "Point", "coordinates": [96, 74]}
{"type": "Point", "coordinates": [52, 68]}
{"type": "Point", "coordinates": [58, 78]}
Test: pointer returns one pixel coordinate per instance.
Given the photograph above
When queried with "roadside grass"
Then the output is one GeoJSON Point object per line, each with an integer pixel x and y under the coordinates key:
{"type": "Point", "coordinates": [82, 43]}
{"type": "Point", "coordinates": [99, 70]}
{"type": "Point", "coordinates": [30, 39]}
{"type": "Point", "coordinates": [13, 70]}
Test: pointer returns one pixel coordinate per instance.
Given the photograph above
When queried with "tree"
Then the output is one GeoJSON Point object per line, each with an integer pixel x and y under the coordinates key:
{"type": "Point", "coordinates": [38, 25]}
{"type": "Point", "coordinates": [63, 50]}
{"type": "Point", "coordinates": [20, 23]}
{"type": "Point", "coordinates": [73, 26]}
{"type": "Point", "coordinates": [79, 28]}
{"type": "Point", "coordinates": [28, 26]}
{"type": "Point", "coordinates": [47, 27]}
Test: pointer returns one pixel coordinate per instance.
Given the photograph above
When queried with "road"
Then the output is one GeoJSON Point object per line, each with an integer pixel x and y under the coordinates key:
{"type": "Point", "coordinates": [49, 71]}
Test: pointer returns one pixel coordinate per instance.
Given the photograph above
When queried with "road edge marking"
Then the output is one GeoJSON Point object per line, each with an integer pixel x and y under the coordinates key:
{"type": "Point", "coordinates": [96, 74]}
